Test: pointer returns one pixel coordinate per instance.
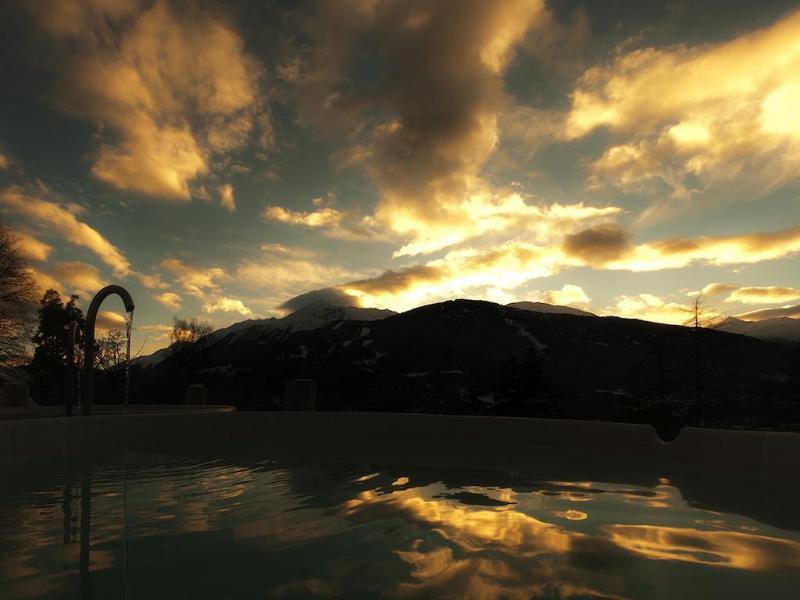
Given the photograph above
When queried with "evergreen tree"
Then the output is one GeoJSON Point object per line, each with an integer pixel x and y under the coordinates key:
{"type": "Point", "coordinates": [50, 343]}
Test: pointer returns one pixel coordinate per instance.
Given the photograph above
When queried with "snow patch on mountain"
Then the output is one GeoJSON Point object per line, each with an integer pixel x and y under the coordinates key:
{"type": "Point", "coordinates": [311, 316]}
{"type": "Point", "coordinates": [780, 328]}
{"type": "Point", "coordinates": [526, 334]}
{"type": "Point", "coordinates": [544, 307]}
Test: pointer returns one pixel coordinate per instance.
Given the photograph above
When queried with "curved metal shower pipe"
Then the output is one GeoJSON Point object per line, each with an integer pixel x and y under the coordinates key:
{"type": "Point", "coordinates": [87, 388]}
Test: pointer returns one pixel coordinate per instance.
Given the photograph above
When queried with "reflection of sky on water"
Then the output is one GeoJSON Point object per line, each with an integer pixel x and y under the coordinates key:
{"type": "Point", "coordinates": [207, 528]}
{"type": "Point", "coordinates": [483, 546]}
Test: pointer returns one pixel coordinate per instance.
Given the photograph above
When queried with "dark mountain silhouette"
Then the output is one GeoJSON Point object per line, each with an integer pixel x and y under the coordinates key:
{"type": "Point", "coordinates": [477, 357]}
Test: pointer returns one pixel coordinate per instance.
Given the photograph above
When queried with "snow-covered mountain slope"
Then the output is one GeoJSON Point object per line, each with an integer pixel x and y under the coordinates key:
{"type": "Point", "coordinates": [543, 307]}
{"type": "Point", "coordinates": [306, 318]}
{"type": "Point", "coordinates": [150, 360]}
{"type": "Point", "coordinates": [781, 328]}
{"type": "Point", "coordinates": [318, 314]}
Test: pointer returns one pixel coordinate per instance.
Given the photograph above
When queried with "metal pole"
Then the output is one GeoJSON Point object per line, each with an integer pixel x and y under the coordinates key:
{"type": "Point", "coordinates": [69, 392]}
{"type": "Point", "coordinates": [88, 352]}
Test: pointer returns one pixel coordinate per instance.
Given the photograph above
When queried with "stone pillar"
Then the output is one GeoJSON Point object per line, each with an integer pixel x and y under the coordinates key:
{"type": "Point", "coordinates": [300, 394]}
{"type": "Point", "coordinates": [196, 394]}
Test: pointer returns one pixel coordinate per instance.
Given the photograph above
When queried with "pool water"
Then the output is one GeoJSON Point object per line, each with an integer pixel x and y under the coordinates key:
{"type": "Point", "coordinates": [188, 526]}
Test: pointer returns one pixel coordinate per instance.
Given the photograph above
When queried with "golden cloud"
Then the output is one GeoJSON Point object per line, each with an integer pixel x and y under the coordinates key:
{"type": "Point", "coordinates": [693, 116]}
{"type": "Point", "coordinates": [151, 281]}
{"type": "Point", "coordinates": [5, 162]}
{"type": "Point", "coordinates": [173, 88]}
{"type": "Point", "coordinates": [650, 308]}
{"type": "Point", "coordinates": [568, 295]}
{"type": "Point", "coordinates": [226, 198]}
{"type": "Point", "coordinates": [716, 289]}
{"type": "Point", "coordinates": [228, 305]}
{"type": "Point", "coordinates": [78, 278]}
{"type": "Point", "coordinates": [489, 274]}
{"type": "Point", "coordinates": [43, 281]}
{"type": "Point", "coordinates": [107, 320]}
{"type": "Point", "coordinates": [485, 213]}
{"type": "Point", "coordinates": [30, 247]}
{"type": "Point", "coordinates": [68, 278]}
{"type": "Point", "coordinates": [493, 272]}
{"type": "Point", "coordinates": [764, 295]}
{"type": "Point", "coordinates": [195, 281]}
{"type": "Point", "coordinates": [170, 300]}
{"type": "Point", "coordinates": [324, 217]}
{"type": "Point", "coordinates": [63, 221]}
{"type": "Point", "coordinates": [328, 219]}
{"type": "Point", "coordinates": [677, 253]}
{"type": "Point", "coordinates": [289, 267]}
{"type": "Point", "coordinates": [158, 331]}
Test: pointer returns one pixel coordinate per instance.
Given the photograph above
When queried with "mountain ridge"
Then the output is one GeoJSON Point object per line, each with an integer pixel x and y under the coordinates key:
{"type": "Point", "coordinates": [318, 314]}
{"type": "Point", "coordinates": [776, 328]}
{"type": "Point", "coordinates": [544, 307]}
{"type": "Point", "coordinates": [477, 357]}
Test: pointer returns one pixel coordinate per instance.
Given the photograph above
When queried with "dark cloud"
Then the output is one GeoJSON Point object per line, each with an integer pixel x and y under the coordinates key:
{"type": "Point", "coordinates": [598, 245]}
{"type": "Point", "coordinates": [433, 113]}
{"type": "Point", "coordinates": [329, 296]}
{"type": "Point", "coordinates": [441, 92]}
{"type": "Point", "coordinates": [398, 281]}
{"type": "Point", "coordinates": [677, 246]}
{"type": "Point", "coordinates": [771, 239]}
{"type": "Point", "coordinates": [328, 100]}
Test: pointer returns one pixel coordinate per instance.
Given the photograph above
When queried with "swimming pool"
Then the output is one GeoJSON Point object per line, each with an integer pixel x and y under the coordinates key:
{"type": "Point", "coordinates": [293, 516]}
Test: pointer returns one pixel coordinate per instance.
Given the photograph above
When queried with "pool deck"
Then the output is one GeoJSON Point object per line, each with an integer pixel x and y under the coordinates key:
{"type": "Point", "coordinates": [42, 412]}
{"type": "Point", "coordinates": [480, 442]}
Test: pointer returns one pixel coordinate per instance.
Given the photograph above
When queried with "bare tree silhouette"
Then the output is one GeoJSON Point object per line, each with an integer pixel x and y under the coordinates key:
{"type": "Point", "coordinates": [17, 304]}
{"type": "Point", "coordinates": [188, 331]}
{"type": "Point", "coordinates": [110, 350]}
{"type": "Point", "coordinates": [701, 316]}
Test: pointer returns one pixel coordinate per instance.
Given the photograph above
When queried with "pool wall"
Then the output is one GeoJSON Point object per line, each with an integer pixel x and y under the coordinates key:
{"type": "Point", "coordinates": [475, 441]}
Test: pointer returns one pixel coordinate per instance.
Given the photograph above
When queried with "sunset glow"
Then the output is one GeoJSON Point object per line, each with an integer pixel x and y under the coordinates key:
{"type": "Point", "coordinates": [220, 162]}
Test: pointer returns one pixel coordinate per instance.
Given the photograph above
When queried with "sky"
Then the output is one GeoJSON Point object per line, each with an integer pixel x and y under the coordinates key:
{"type": "Point", "coordinates": [220, 159]}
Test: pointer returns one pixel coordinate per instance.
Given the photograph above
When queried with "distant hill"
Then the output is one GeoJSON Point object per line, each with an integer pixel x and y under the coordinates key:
{"type": "Point", "coordinates": [308, 317]}
{"type": "Point", "coordinates": [477, 357]}
{"type": "Point", "coordinates": [544, 307]}
{"type": "Point", "coordinates": [779, 328]}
